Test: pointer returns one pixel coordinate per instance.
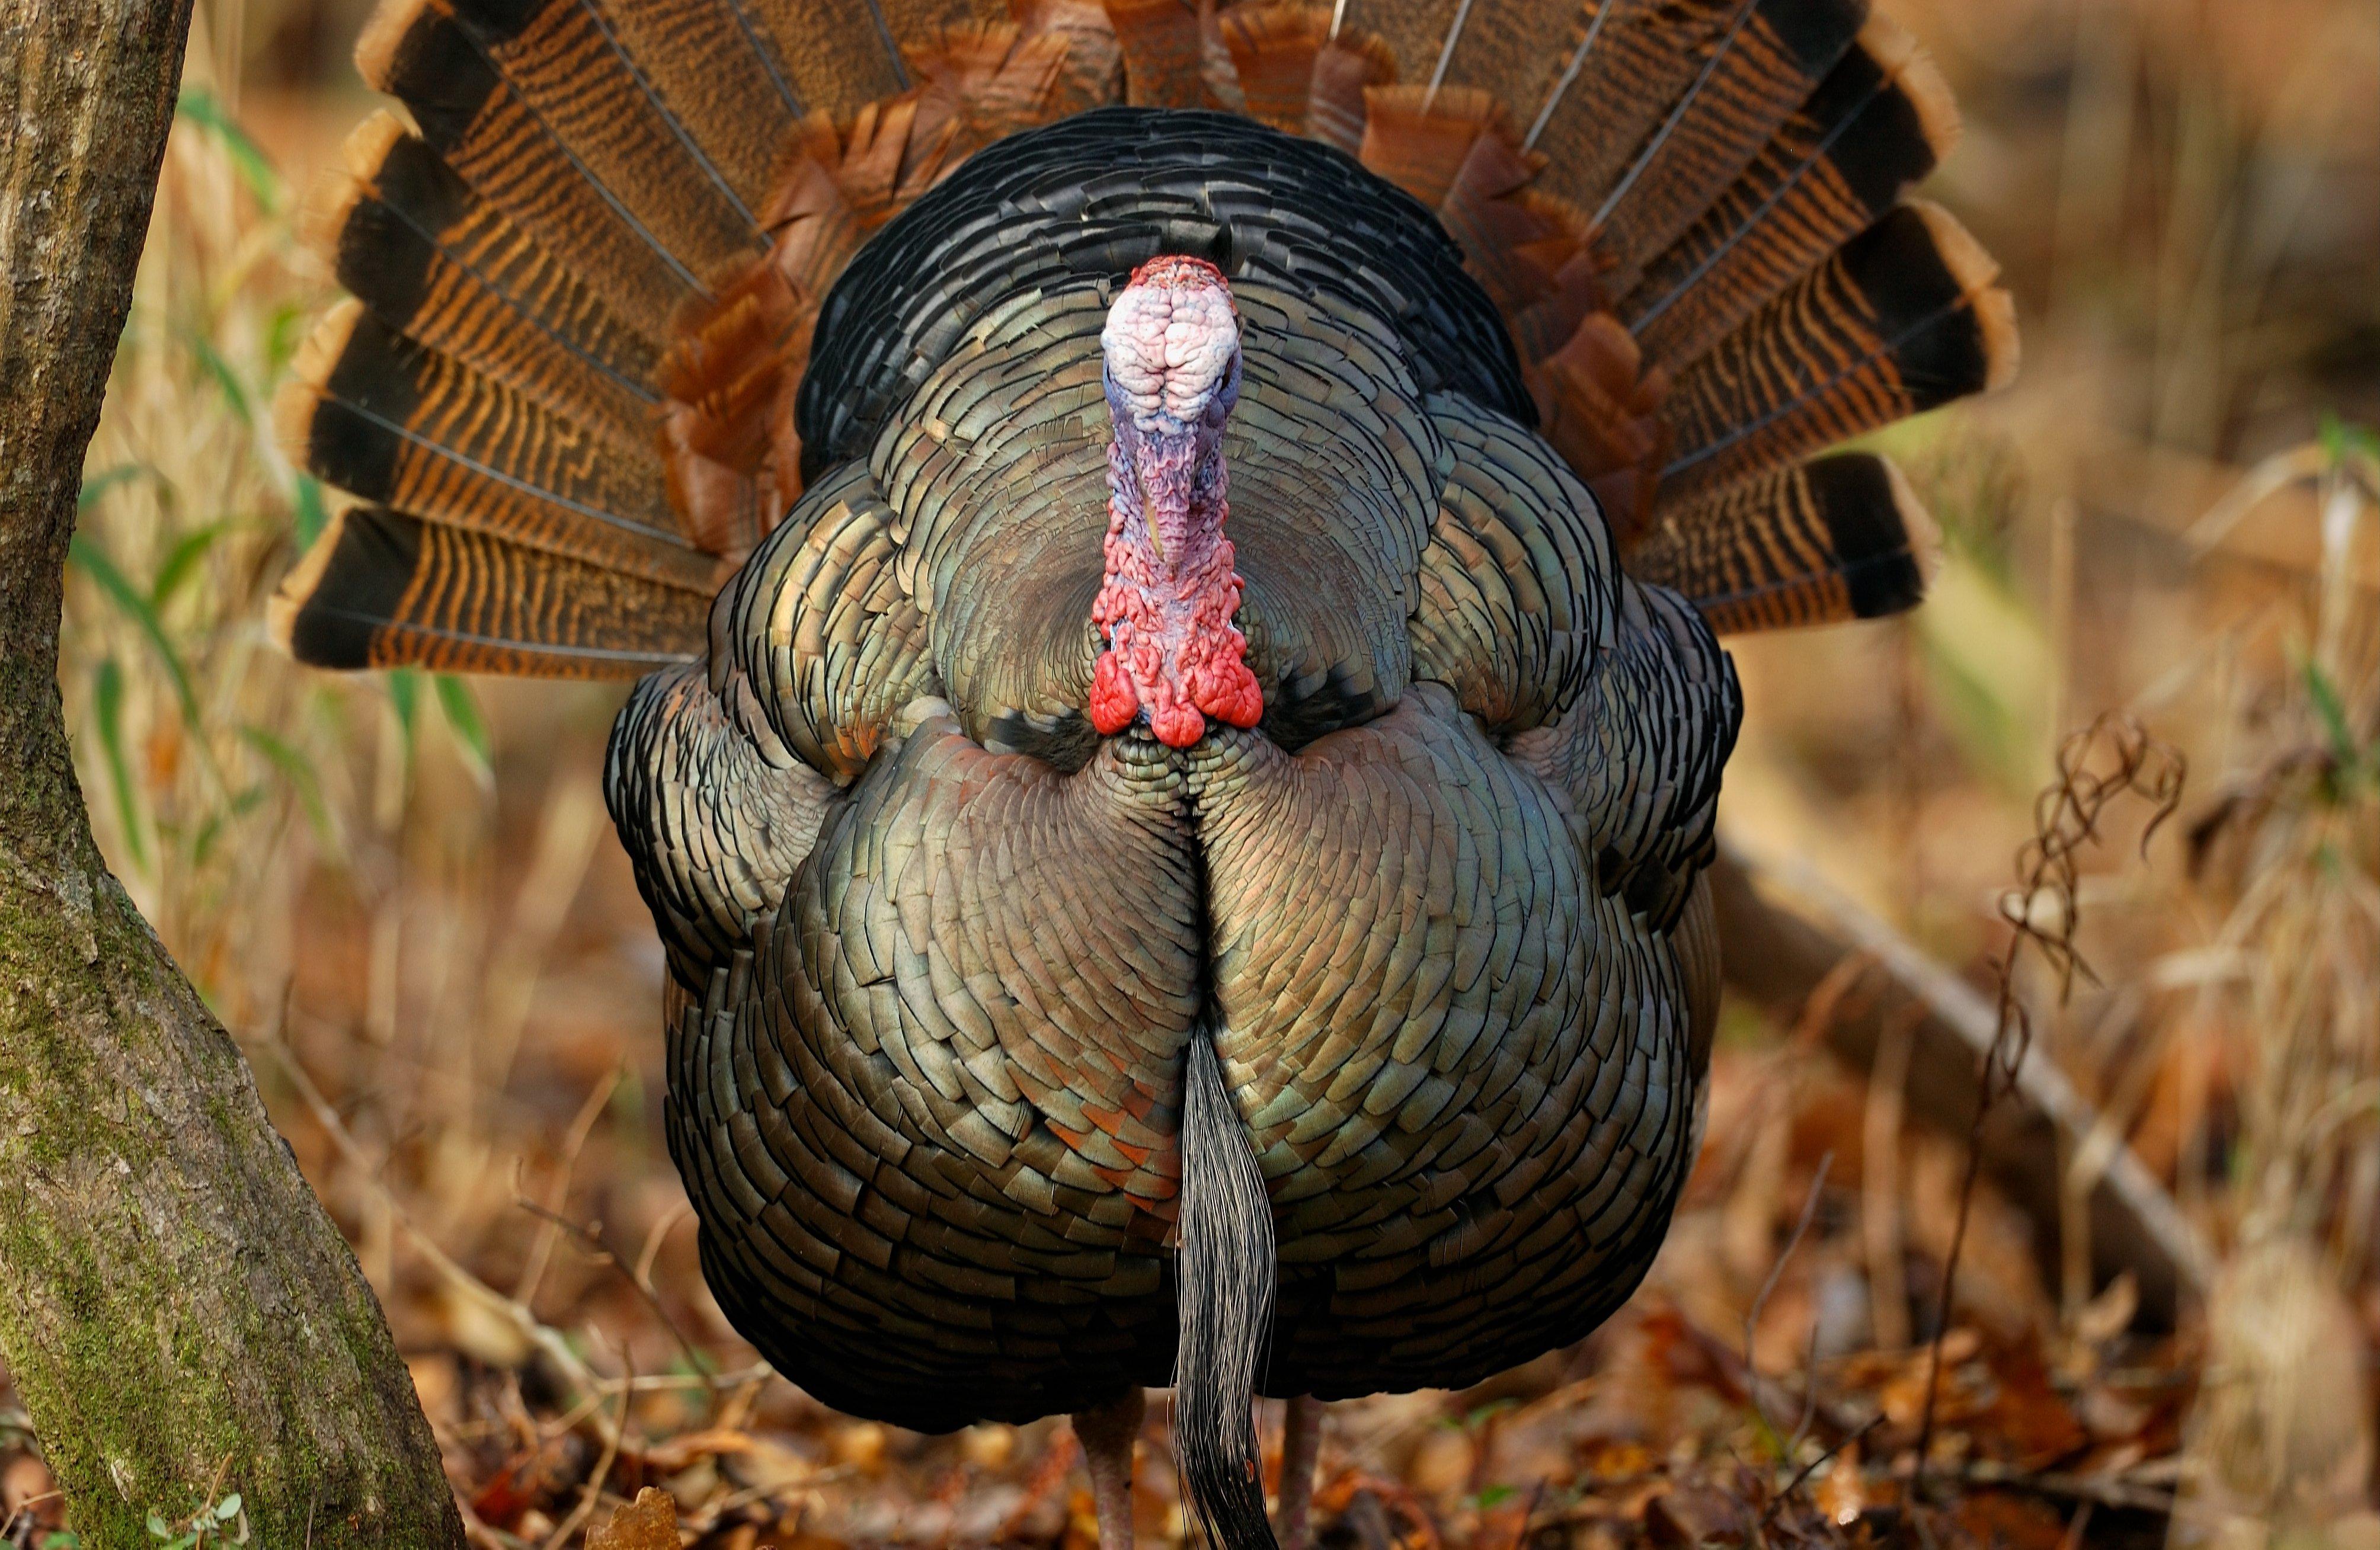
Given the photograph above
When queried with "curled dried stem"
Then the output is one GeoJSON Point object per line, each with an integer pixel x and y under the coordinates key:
{"type": "Point", "coordinates": [2113, 757]}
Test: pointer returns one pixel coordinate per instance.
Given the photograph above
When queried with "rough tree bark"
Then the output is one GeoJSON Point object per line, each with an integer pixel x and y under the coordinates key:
{"type": "Point", "coordinates": [180, 1316]}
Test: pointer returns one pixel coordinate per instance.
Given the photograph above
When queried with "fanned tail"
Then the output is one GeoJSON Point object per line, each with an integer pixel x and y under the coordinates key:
{"type": "Point", "coordinates": [585, 284]}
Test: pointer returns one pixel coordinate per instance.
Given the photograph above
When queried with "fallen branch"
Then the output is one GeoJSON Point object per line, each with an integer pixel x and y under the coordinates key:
{"type": "Point", "coordinates": [1777, 954]}
{"type": "Point", "coordinates": [2099, 1490]}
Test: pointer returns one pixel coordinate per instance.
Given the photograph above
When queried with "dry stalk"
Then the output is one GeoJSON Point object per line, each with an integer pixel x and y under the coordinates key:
{"type": "Point", "coordinates": [2044, 914]}
{"type": "Point", "coordinates": [554, 1224]}
{"type": "Point", "coordinates": [589, 1237]}
{"type": "Point", "coordinates": [548, 1341]}
{"type": "Point", "coordinates": [1776, 1273]}
{"type": "Point", "coordinates": [594, 1491]}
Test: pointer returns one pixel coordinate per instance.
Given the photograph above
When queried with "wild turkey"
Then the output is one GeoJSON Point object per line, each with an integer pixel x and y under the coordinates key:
{"type": "Point", "coordinates": [1106, 944]}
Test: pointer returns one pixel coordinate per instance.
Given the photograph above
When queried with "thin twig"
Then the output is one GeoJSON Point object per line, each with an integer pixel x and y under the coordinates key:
{"type": "Point", "coordinates": [2066, 821]}
{"type": "Point", "coordinates": [588, 1499]}
{"type": "Point", "coordinates": [480, 1532]}
{"type": "Point", "coordinates": [2110, 1491]}
{"type": "Point", "coordinates": [582, 1125]}
{"type": "Point", "coordinates": [1968, 1017]}
{"type": "Point", "coordinates": [1775, 1271]}
{"type": "Point", "coordinates": [735, 1378]}
{"type": "Point", "coordinates": [1802, 1476]}
{"type": "Point", "coordinates": [591, 1238]}
{"type": "Point", "coordinates": [548, 1341]}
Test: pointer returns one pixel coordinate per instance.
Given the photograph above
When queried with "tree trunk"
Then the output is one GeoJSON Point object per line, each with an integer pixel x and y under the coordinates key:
{"type": "Point", "coordinates": [181, 1317]}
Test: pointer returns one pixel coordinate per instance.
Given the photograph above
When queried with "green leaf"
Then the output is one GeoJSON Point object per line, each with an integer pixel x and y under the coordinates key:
{"type": "Point", "coordinates": [312, 516]}
{"type": "Point", "coordinates": [299, 772]}
{"type": "Point", "coordinates": [228, 1508]}
{"type": "Point", "coordinates": [2342, 440]}
{"type": "Point", "coordinates": [62, 1539]}
{"type": "Point", "coordinates": [462, 708]}
{"type": "Point", "coordinates": [100, 484]}
{"type": "Point", "coordinates": [201, 107]}
{"type": "Point", "coordinates": [107, 705]}
{"type": "Point", "coordinates": [181, 562]}
{"type": "Point", "coordinates": [282, 335]}
{"type": "Point", "coordinates": [1493, 1495]}
{"type": "Point", "coordinates": [405, 693]}
{"type": "Point", "coordinates": [404, 698]}
{"type": "Point", "coordinates": [211, 362]}
{"type": "Point", "coordinates": [2331, 711]}
{"type": "Point", "coordinates": [1482, 1414]}
{"type": "Point", "coordinates": [159, 1527]}
{"type": "Point", "coordinates": [83, 551]}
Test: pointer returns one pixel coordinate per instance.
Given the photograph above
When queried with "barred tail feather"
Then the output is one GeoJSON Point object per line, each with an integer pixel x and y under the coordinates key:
{"type": "Point", "coordinates": [381, 588]}
{"type": "Point", "coordinates": [1880, 121]}
{"type": "Point", "coordinates": [390, 419]}
{"type": "Point", "coordinates": [1832, 539]}
{"type": "Point", "coordinates": [1295, 74]}
{"type": "Point", "coordinates": [1163, 55]}
{"type": "Point", "coordinates": [1904, 317]}
{"type": "Point", "coordinates": [432, 260]}
{"type": "Point", "coordinates": [451, 70]}
{"type": "Point", "coordinates": [544, 263]}
{"type": "Point", "coordinates": [1759, 70]}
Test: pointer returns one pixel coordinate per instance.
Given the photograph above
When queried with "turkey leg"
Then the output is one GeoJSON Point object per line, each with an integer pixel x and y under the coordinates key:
{"type": "Point", "coordinates": [1301, 1448]}
{"type": "Point", "coordinates": [1107, 1435]}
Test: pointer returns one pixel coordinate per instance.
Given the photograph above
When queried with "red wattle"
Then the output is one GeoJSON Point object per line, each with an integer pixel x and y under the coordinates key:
{"type": "Point", "coordinates": [1166, 605]}
{"type": "Point", "coordinates": [1176, 725]}
{"type": "Point", "coordinates": [1231, 696]}
{"type": "Point", "coordinates": [1113, 700]}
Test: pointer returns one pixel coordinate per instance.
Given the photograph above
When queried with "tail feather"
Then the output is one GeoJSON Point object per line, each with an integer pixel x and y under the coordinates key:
{"type": "Point", "coordinates": [1412, 31]}
{"type": "Point", "coordinates": [1223, 1287]}
{"type": "Point", "coordinates": [432, 260]}
{"type": "Point", "coordinates": [1881, 120]}
{"type": "Point", "coordinates": [1759, 70]}
{"type": "Point", "coordinates": [709, 74]}
{"type": "Point", "coordinates": [1296, 75]}
{"type": "Point", "coordinates": [498, 136]}
{"type": "Point", "coordinates": [505, 405]}
{"type": "Point", "coordinates": [1633, 62]}
{"type": "Point", "coordinates": [830, 56]}
{"type": "Point", "coordinates": [1905, 317]}
{"type": "Point", "coordinates": [1163, 56]}
{"type": "Point", "coordinates": [382, 589]}
{"type": "Point", "coordinates": [1419, 139]}
{"type": "Point", "coordinates": [390, 419]}
{"type": "Point", "coordinates": [1831, 539]}
{"type": "Point", "coordinates": [1516, 49]}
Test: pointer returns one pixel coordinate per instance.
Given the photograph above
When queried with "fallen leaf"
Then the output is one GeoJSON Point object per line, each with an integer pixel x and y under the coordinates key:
{"type": "Point", "coordinates": [1690, 1514]}
{"type": "Point", "coordinates": [647, 1524]}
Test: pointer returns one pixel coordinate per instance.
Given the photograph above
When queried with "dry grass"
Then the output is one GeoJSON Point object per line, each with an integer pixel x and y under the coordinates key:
{"type": "Point", "coordinates": [402, 893]}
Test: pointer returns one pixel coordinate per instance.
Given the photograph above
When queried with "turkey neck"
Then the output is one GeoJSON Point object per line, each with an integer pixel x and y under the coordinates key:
{"type": "Point", "coordinates": [1171, 370]}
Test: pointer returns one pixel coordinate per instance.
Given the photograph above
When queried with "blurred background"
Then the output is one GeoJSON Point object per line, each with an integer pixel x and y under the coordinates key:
{"type": "Point", "coordinates": [402, 894]}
